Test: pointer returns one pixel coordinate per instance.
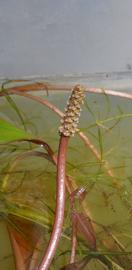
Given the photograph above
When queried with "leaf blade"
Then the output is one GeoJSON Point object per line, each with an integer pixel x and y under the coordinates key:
{"type": "Point", "coordinates": [10, 132]}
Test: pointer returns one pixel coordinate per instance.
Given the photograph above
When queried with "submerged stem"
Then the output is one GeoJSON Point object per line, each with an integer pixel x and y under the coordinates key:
{"type": "Point", "coordinates": [60, 205]}
{"type": "Point", "coordinates": [73, 239]}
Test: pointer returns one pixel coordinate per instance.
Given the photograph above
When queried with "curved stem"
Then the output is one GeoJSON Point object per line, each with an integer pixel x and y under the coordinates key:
{"type": "Point", "coordinates": [109, 92]}
{"type": "Point", "coordinates": [39, 86]}
{"type": "Point", "coordinates": [60, 205]}
{"type": "Point", "coordinates": [96, 153]}
{"type": "Point", "coordinates": [74, 239]}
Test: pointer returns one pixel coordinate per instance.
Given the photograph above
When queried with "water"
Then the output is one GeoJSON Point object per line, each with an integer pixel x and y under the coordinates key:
{"type": "Point", "coordinates": [107, 123]}
{"type": "Point", "coordinates": [113, 80]}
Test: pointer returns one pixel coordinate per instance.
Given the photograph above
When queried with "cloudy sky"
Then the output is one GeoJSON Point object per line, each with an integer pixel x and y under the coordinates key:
{"type": "Point", "coordinates": [45, 37]}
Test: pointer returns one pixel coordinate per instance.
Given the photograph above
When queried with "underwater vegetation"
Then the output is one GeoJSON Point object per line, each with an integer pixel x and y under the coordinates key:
{"type": "Point", "coordinates": [66, 178]}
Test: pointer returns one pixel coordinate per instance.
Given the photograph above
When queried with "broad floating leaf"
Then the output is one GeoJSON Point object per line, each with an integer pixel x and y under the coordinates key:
{"type": "Point", "coordinates": [9, 132]}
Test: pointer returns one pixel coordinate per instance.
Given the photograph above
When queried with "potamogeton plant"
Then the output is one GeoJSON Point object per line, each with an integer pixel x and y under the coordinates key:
{"type": "Point", "coordinates": [68, 128]}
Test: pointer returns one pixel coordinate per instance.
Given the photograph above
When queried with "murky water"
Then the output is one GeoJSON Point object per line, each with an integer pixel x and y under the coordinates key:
{"type": "Point", "coordinates": [106, 121]}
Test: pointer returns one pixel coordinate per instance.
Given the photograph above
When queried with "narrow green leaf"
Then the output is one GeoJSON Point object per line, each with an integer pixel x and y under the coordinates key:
{"type": "Point", "coordinates": [9, 132]}
{"type": "Point", "coordinates": [12, 102]}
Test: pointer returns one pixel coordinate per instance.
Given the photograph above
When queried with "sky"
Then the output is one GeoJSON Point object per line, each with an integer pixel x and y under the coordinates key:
{"type": "Point", "coordinates": [48, 37]}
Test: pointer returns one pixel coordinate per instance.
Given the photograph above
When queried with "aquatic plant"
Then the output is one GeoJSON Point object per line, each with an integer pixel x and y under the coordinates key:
{"type": "Point", "coordinates": [91, 241]}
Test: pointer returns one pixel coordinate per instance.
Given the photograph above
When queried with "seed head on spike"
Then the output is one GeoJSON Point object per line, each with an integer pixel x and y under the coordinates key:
{"type": "Point", "coordinates": [72, 112]}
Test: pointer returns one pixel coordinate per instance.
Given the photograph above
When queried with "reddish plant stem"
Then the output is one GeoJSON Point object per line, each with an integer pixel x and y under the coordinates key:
{"type": "Point", "coordinates": [37, 86]}
{"type": "Point", "coordinates": [96, 153]}
{"type": "Point", "coordinates": [40, 86]}
{"type": "Point", "coordinates": [38, 99]}
{"type": "Point", "coordinates": [35, 255]}
{"type": "Point", "coordinates": [109, 92]}
{"type": "Point", "coordinates": [74, 239]}
{"type": "Point", "coordinates": [44, 86]}
{"type": "Point", "coordinates": [76, 193]}
{"type": "Point", "coordinates": [60, 205]}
